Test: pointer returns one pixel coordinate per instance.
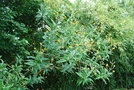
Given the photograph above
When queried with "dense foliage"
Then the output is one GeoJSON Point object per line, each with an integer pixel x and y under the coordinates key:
{"type": "Point", "coordinates": [56, 44]}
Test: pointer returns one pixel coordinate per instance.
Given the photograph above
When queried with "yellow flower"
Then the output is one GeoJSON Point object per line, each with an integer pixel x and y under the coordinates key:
{"type": "Point", "coordinates": [95, 73]}
{"type": "Point", "coordinates": [100, 27]}
{"type": "Point", "coordinates": [34, 48]}
{"type": "Point", "coordinates": [113, 48]}
{"type": "Point", "coordinates": [44, 49]}
{"type": "Point", "coordinates": [108, 40]}
{"type": "Point", "coordinates": [84, 68]}
{"type": "Point", "coordinates": [23, 83]}
{"type": "Point", "coordinates": [113, 71]}
{"type": "Point", "coordinates": [106, 65]}
{"type": "Point", "coordinates": [62, 47]}
{"type": "Point", "coordinates": [65, 17]}
{"type": "Point", "coordinates": [99, 57]}
{"type": "Point", "coordinates": [57, 13]}
{"type": "Point", "coordinates": [88, 68]}
{"type": "Point", "coordinates": [76, 44]}
{"type": "Point", "coordinates": [77, 21]}
{"type": "Point", "coordinates": [72, 23]}
{"type": "Point", "coordinates": [41, 52]}
{"type": "Point", "coordinates": [97, 51]}
{"type": "Point", "coordinates": [76, 31]}
{"type": "Point", "coordinates": [47, 31]}
{"type": "Point", "coordinates": [70, 47]}
{"type": "Point", "coordinates": [58, 41]}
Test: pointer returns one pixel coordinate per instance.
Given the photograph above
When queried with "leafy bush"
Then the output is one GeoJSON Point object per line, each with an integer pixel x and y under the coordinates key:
{"type": "Point", "coordinates": [18, 33]}
{"type": "Point", "coordinates": [73, 46]}
{"type": "Point", "coordinates": [83, 39]}
{"type": "Point", "coordinates": [11, 35]}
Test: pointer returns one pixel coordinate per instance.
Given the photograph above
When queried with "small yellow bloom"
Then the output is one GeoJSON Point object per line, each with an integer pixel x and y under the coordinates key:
{"type": "Point", "coordinates": [76, 31]}
{"type": "Point", "coordinates": [97, 51]}
{"type": "Point", "coordinates": [113, 48]}
{"type": "Point", "coordinates": [41, 52]}
{"type": "Point", "coordinates": [84, 68]}
{"type": "Point", "coordinates": [95, 73]}
{"type": "Point", "coordinates": [65, 17]}
{"type": "Point", "coordinates": [99, 57]}
{"type": "Point", "coordinates": [57, 13]}
{"type": "Point", "coordinates": [88, 68]}
{"type": "Point", "coordinates": [34, 48]}
{"type": "Point", "coordinates": [72, 23]}
{"type": "Point", "coordinates": [58, 41]}
{"type": "Point", "coordinates": [44, 49]}
{"type": "Point", "coordinates": [76, 44]}
{"type": "Point", "coordinates": [70, 47]}
{"type": "Point", "coordinates": [108, 40]}
{"type": "Point", "coordinates": [100, 27]}
{"type": "Point", "coordinates": [106, 65]}
{"type": "Point", "coordinates": [62, 47]}
{"type": "Point", "coordinates": [113, 71]}
{"type": "Point", "coordinates": [47, 31]}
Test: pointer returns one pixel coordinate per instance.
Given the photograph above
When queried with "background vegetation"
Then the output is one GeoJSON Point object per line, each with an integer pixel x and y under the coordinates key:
{"type": "Point", "coordinates": [56, 44]}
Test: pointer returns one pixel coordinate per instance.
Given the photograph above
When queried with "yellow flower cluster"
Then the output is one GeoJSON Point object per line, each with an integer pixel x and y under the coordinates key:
{"type": "Point", "coordinates": [44, 49]}
{"type": "Point", "coordinates": [78, 32]}
{"type": "Point", "coordinates": [64, 17]}
{"type": "Point", "coordinates": [56, 13]}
